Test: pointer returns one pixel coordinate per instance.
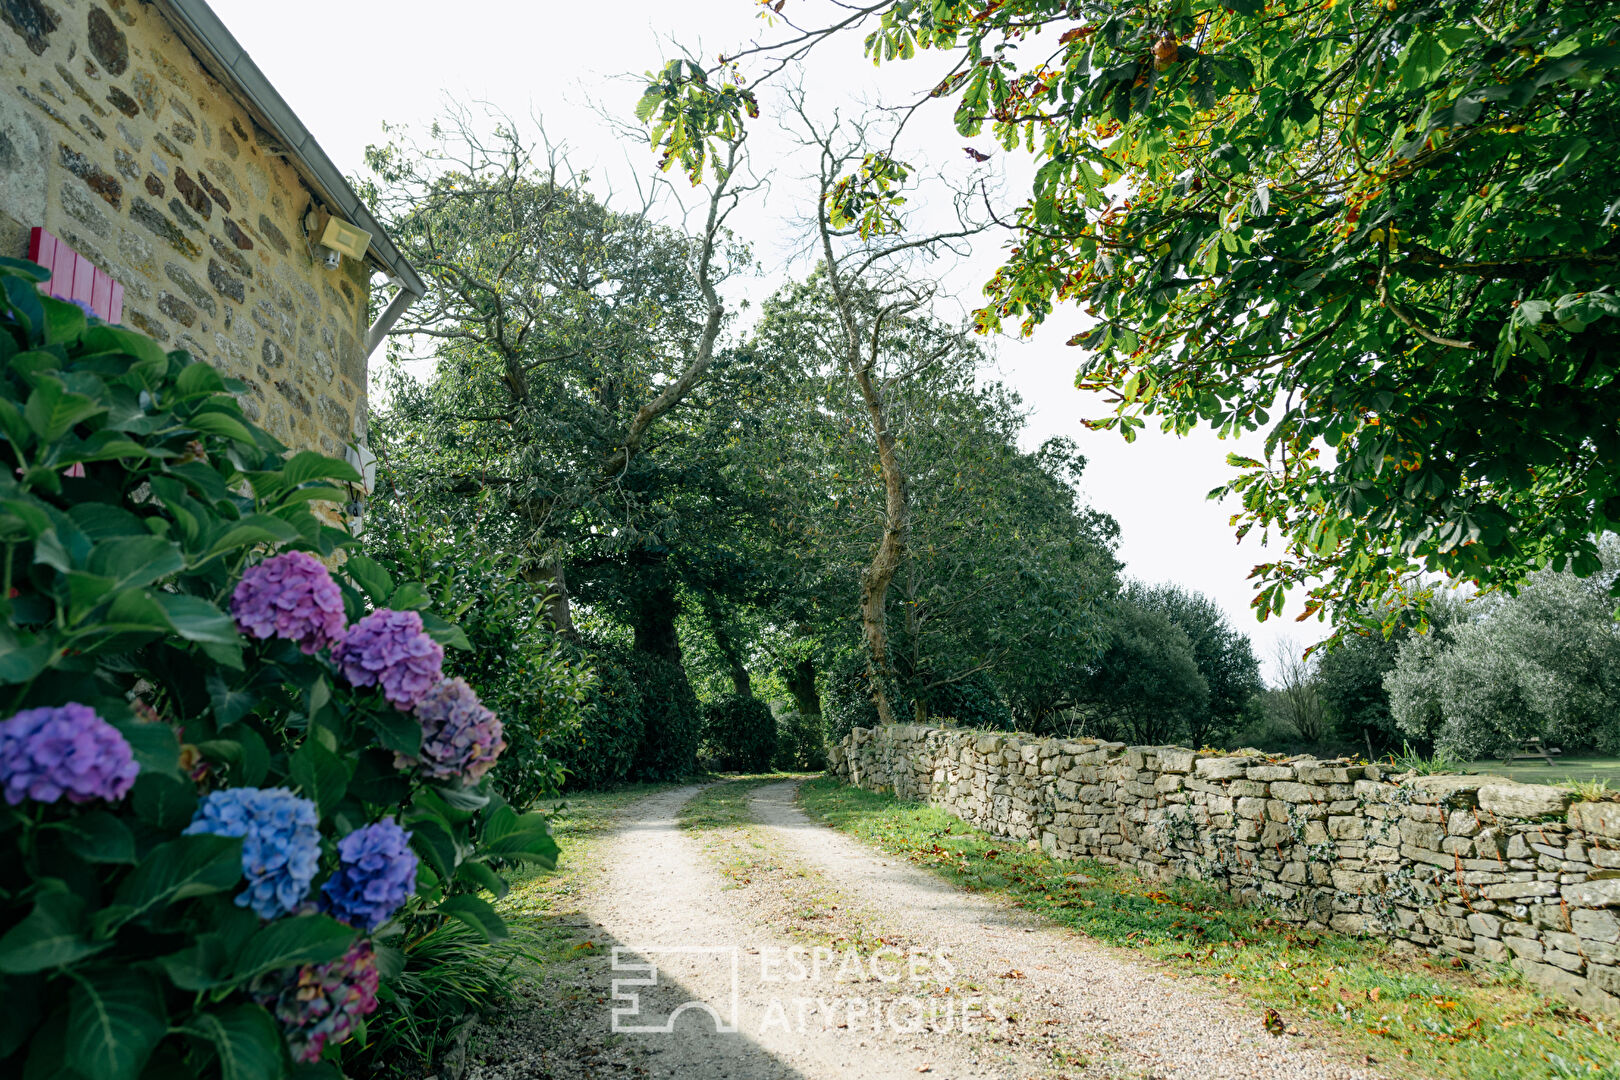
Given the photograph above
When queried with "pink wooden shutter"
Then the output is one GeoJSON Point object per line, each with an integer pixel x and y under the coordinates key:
{"type": "Point", "coordinates": [74, 277]}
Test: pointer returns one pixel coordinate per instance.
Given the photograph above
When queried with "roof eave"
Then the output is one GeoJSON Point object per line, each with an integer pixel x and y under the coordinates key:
{"type": "Point", "coordinates": [227, 61]}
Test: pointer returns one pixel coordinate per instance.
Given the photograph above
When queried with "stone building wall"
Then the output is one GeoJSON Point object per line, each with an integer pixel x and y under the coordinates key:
{"type": "Point", "coordinates": [1472, 866]}
{"type": "Point", "coordinates": [113, 138]}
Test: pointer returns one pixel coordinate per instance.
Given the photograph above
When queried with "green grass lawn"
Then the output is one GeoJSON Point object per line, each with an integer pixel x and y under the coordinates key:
{"type": "Point", "coordinates": [1566, 768]}
{"type": "Point", "coordinates": [1410, 1016]}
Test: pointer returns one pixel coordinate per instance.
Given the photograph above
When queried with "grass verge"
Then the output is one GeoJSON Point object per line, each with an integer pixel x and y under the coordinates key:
{"type": "Point", "coordinates": [1420, 1015]}
{"type": "Point", "coordinates": [724, 805]}
{"type": "Point", "coordinates": [1575, 769]}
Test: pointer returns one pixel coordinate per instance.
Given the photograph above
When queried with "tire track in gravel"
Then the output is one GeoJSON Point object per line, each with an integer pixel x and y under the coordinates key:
{"type": "Point", "coordinates": [1115, 1005]}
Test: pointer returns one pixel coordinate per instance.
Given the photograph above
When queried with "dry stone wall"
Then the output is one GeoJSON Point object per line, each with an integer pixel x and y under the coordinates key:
{"type": "Point", "coordinates": [1471, 866]}
{"type": "Point", "coordinates": [114, 138]}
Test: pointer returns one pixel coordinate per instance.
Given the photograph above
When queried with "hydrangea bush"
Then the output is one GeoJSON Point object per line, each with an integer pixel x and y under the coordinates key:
{"type": "Point", "coordinates": [232, 767]}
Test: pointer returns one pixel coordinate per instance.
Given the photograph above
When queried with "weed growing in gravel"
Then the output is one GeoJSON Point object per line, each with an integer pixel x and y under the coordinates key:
{"type": "Point", "coordinates": [1426, 1015]}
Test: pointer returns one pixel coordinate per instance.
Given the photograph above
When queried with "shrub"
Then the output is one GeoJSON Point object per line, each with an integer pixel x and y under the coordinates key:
{"type": "Point", "coordinates": [1542, 664]}
{"type": "Point", "coordinates": [169, 925]}
{"type": "Point", "coordinates": [973, 702]}
{"type": "Point", "coordinates": [739, 733]}
{"type": "Point", "coordinates": [801, 742]}
{"type": "Point", "coordinates": [670, 718]}
{"type": "Point", "coordinates": [847, 701]}
{"type": "Point", "coordinates": [596, 746]}
{"type": "Point", "coordinates": [533, 679]}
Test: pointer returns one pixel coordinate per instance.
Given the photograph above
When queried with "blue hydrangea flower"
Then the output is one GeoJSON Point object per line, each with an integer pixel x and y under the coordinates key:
{"type": "Point", "coordinates": [376, 873]}
{"type": "Point", "coordinates": [281, 843]}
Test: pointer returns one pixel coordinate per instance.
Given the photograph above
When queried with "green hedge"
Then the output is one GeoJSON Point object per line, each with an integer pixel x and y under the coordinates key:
{"type": "Point", "coordinates": [739, 733]}
{"type": "Point", "coordinates": [598, 744]}
{"type": "Point", "coordinates": [846, 700]}
{"type": "Point", "coordinates": [670, 718]}
{"type": "Point", "coordinates": [801, 742]}
{"type": "Point", "coordinates": [973, 702]}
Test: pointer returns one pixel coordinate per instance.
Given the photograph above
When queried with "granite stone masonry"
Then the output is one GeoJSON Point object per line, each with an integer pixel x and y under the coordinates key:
{"type": "Point", "coordinates": [1471, 866]}
{"type": "Point", "coordinates": [115, 139]}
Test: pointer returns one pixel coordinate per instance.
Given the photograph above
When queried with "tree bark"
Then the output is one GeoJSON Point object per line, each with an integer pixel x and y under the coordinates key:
{"type": "Point", "coordinates": [653, 618]}
{"type": "Point", "coordinates": [557, 603]}
{"type": "Point", "coordinates": [891, 549]}
{"type": "Point", "coordinates": [741, 683]}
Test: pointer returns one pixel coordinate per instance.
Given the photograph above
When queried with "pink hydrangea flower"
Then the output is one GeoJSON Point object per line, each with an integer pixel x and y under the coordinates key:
{"type": "Point", "coordinates": [390, 649]}
{"type": "Point", "coordinates": [321, 1004]}
{"type": "Point", "coordinates": [290, 596]}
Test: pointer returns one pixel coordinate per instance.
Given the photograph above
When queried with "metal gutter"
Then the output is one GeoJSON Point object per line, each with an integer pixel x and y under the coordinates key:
{"type": "Point", "coordinates": [227, 61]}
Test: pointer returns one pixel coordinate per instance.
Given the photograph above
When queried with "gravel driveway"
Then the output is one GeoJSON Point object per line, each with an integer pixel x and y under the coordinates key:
{"type": "Point", "coordinates": [906, 976]}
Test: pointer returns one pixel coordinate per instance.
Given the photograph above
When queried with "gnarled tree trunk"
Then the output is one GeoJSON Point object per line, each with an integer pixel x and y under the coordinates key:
{"type": "Point", "coordinates": [726, 642]}
{"type": "Point", "coordinates": [653, 616]}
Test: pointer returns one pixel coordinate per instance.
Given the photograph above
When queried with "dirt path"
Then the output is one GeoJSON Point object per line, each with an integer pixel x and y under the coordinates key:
{"type": "Point", "coordinates": [950, 985]}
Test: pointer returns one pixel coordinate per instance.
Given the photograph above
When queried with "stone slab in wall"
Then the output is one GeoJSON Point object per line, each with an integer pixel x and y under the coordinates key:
{"type": "Point", "coordinates": [114, 138]}
{"type": "Point", "coordinates": [1469, 866]}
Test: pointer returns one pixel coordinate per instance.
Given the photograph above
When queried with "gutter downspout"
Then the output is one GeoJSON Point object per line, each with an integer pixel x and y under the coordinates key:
{"type": "Point", "coordinates": [359, 454]}
{"type": "Point", "coordinates": [391, 315]}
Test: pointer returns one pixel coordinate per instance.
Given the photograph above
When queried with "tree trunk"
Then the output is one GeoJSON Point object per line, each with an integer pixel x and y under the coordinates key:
{"type": "Point", "coordinates": [557, 603]}
{"type": "Point", "coordinates": [891, 547]}
{"type": "Point", "coordinates": [653, 620]}
{"type": "Point", "coordinates": [726, 642]}
{"type": "Point", "coordinates": [801, 683]}
{"type": "Point", "coordinates": [896, 502]}
{"type": "Point", "coordinates": [740, 682]}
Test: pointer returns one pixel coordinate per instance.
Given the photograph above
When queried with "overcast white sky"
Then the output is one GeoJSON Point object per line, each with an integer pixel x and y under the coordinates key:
{"type": "Point", "coordinates": [347, 66]}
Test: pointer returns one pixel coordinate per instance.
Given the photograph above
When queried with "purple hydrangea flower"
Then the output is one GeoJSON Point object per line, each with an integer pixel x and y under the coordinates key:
{"type": "Point", "coordinates": [290, 596]}
{"type": "Point", "coordinates": [376, 873]}
{"type": "Point", "coordinates": [281, 846]}
{"type": "Point", "coordinates": [389, 647]}
{"type": "Point", "coordinates": [460, 738]}
{"type": "Point", "coordinates": [67, 750]}
{"type": "Point", "coordinates": [321, 1004]}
